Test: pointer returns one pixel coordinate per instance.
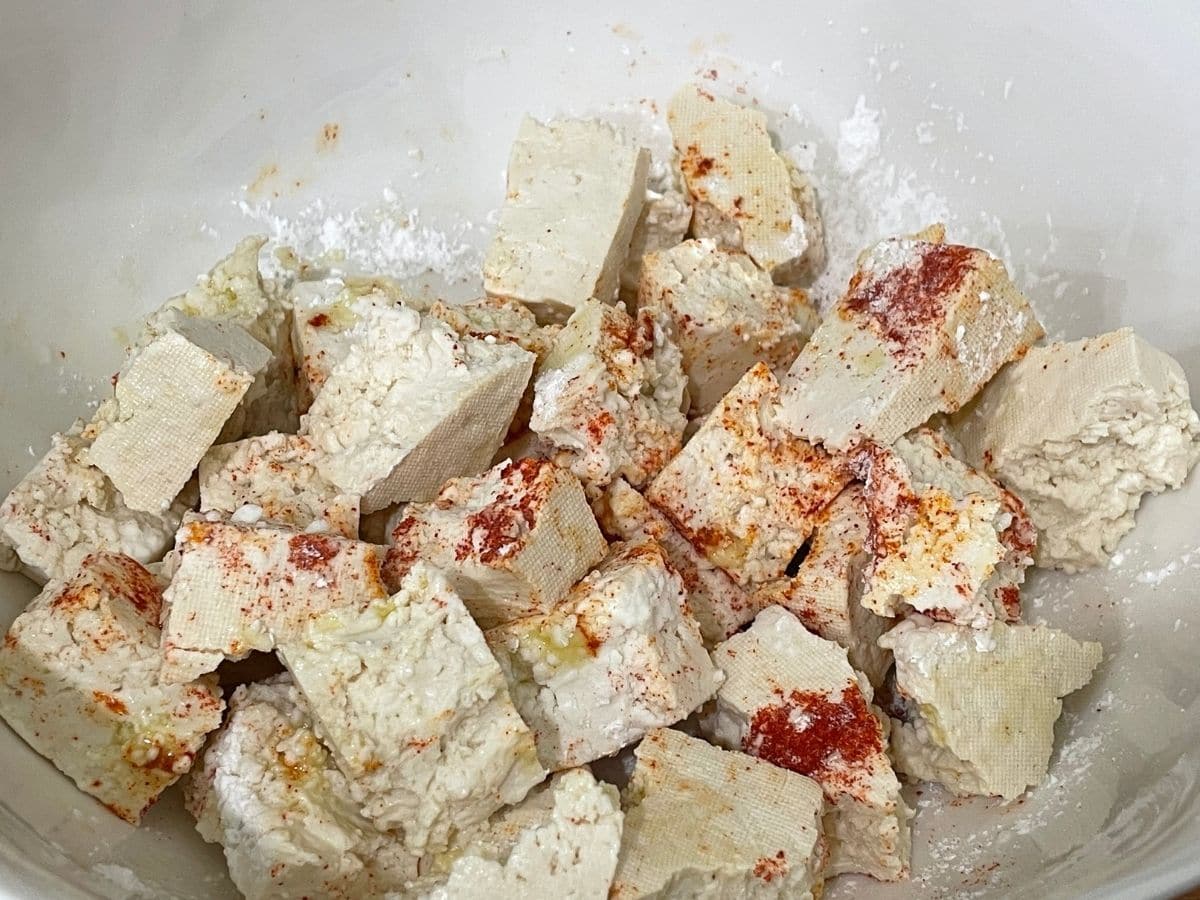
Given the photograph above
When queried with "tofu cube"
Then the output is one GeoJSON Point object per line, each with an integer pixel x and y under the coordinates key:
{"type": "Point", "coordinates": [1082, 431]}
{"type": "Point", "coordinates": [79, 682]}
{"type": "Point", "coordinates": [575, 191]}
{"type": "Point", "coordinates": [747, 196]}
{"type": "Point", "coordinates": [922, 327]}
{"type": "Point", "coordinates": [706, 822]}
{"type": "Point", "coordinates": [664, 222]}
{"type": "Point", "coordinates": [619, 656]}
{"type": "Point", "coordinates": [416, 711]}
{"type": "Point", "coordinates": [610, 396]}
{"type": "Point", "coordinates": [744, 491]}
{"type": "Point", "coordinates": [276, 476]}
{"type": "Point", "coordinates": [981, 712]}
{"type": "Point", "coordinates": [512, 541]}
{"type": "Point", "coordinates": [792, 699]}
{"type": "Point", "coordinates": [725, 314]}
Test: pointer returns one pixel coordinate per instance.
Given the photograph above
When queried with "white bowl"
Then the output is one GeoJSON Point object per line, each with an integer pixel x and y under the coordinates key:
{"type": "Point", "coordinates": [129, 130]}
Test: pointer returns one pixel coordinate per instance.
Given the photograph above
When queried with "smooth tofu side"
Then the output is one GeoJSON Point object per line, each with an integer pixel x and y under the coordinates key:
{"type": "Point", "coordinates": [706, 822]}
{"type": "Point", "coordinates": [620, 655]}
{"type": "Point", "coordinates": [79, 683]}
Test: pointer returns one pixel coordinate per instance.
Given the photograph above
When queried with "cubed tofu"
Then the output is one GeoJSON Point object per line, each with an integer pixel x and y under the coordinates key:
{"type": "Point", "coordinates": [706, 822]}
{"type": "Point", "coordinates": [744, 491]}
{"type": "Point", "coordinates": [719, 605]}
{"type": "Point", "coordinates": [610, 396]}
{"type": "Point", "coordinates": [276, 476]}
{"type": "Point", "coordinates": [664, 221]}
{"type": "Point", "coordinates": [619, 656]}
{"type": "Point", "coordinates": [79, 682]}
{"type": "Point", "coordinates": [244, 587]}
{"type": "Point", "coordinates": [416, 711]}
{"type": "Point", "coordinates": [791, 698]}
{"type": "Point", "coordinates": [981, 710]}
{"type": "Point", "coordinates": [725, 314]}
{"type": "Point", "coordinates": [171, 400]}
{"type": "Point", "coordinates": [922, 327]}
{"type": "Point", "coordinates": [512, 541]}
{"type": "Point", "coordinates": [826, 590]}
{"type": "Point", "coordinates": [412, 404]}
{"type": "Point", "coordinates": [746, 195]}
{"type": "Point", "coordinates": [575, 191]}
{"type": "Point", "coordinates": [270, 794]}
{"type": "Point", "coordinates": [66, 509]}
{"type": "Point", "coordinates": [1082, 431]}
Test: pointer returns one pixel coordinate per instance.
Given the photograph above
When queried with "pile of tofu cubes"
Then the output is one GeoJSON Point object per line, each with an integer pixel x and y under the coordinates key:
{"type": "Point", "coordinates": [491, 550]}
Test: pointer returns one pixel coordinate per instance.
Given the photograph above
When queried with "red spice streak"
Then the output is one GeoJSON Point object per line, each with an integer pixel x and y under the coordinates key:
{"type": "Point", "coordinates": [309, 551]}
{"type": "Point", "coordinates": [769, 868]}
{"type": "Point", "coordinates": [320, 320]}
{"type": "Point", "coordinates": [847, 729]}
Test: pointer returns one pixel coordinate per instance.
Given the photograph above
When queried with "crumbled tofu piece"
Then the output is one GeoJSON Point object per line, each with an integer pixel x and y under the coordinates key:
{"type": "Point", "coordinates": [244, 587]}
{"type": "Point", "coordinates": [171, 400]}
{"type": "Point", "coordinates": [269, 793]}
{"type": "Point", "coordinates": [922, 327]}
{"type": "Point", "coordinates": [79, 682]}
{"type": "Point", "coordinates": [619, 656]}
{"type": "Point", "coordinates": [706, 822]}
{"type": "Point", "coordinates": [416, 711]}
{"type": "Point", "coordinates": [66, 509]}
{"type": "Point", "coordinates": [824, 593]}
{"type": "Point", "coordinates": [746, 195]}
{"type": "Point", "coordinates": [575, 191]}
{"type": "Point", "coordinates": [664, 221]}
{"type": "Point", "coordinates": [611, 396]}
{"type": "Point", "coordinates": [725, 315]}
{"type": "Point", "coordinates": [743, 490]}
{"type": "Point", "coordinates": [719, 605]}
{"type": "Point", "coordinates": [792, 699]}
{"type": "Point", "coordinates": [412, 404]}
{"type": "Point", "coordinates": [981, 711]}
{"type": "Point", "coordinates": [1082, 431]}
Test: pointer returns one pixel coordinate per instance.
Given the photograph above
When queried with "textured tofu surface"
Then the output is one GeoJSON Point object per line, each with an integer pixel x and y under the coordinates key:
{"type": "Point", "coordinates": [744, 491]}
{"type": "Point", "coordinates": [706, 822]}
{"type": "Point", "coordinates": [981, 711]}
{"type": "Point", "coordinates": [664, 221]}
{"type": "Point", "coordinates": [575, 191]}
{"type": "Point", "coordinates": [416, 711]}
{"type": "Point", "coordinates": [1082, 431]}
{"type": "Point", "coordinates": [512, 541]}
{"type": "Point", "coordinates": [619, 656]}
{"type": "Point", "coordinates": [79, 682]}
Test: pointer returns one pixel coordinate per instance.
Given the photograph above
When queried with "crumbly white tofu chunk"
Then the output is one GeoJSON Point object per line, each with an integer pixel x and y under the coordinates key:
{"type": "Point", "coordinates": [619, 656]}
{"type": "Point", "coordinates": [243, 587]}
{"type": "Point", "coordinates": [719, 605]}
{"type": "Point", "coordinates": [416, 711]}
{"type": "Point", "coordinates": [744, 491]}
{"type": "Point", "coordinates": [826, 590]}
{"type": "Point", "coordinates": [269, 793]}
{"type": "Point", "coordinates": [171, 400]}
{"type": "Point", "coordinates": [512, 541]}
{"type": "Point", "coordinates": [725, 314]}
{"type": "Point", "coordinates": [276, 475]}
{"type": "Point", "coordinates": [79, 682]}
{"type": "Point", "coordinates": [576, 188]}
{"type": "Point", "coordinates": [412, 404]}
{"type": "Point", "coordinates": [664, 221]}
{"type": "Point", "coordinates": [922, 327]}
{"type": "Point", "coordinates": [65, 510]}
{"type": "Point", "coordinates": [981, 711]}
{"type": "Point", "coordinates": [611, 395]}
{"type": "Point", "coordinates": [706, 822]}
{"type": "Point", "coordinates": [791, 698]}
{"type": "Point", "coordinates": [746, 195]}
{"type": "Point", "coordinates": [1082, 431]}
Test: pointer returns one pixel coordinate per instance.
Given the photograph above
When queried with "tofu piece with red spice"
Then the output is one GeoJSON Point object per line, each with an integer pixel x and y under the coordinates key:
{"type": "Point", "coordinates": [922, 328]}
{"type": "Point", "coordinates": [620, 655]}
{"type": "Point", "coordinates": [242, 587]}
{"type": "Point", "coordinates": [744, 491]}
{"type": "Point", "coordinates": [79, 682]}
{"type": "Point", "coordinates": [513, 540]}
{"type": "Point", "coordinates": [705, 822]}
